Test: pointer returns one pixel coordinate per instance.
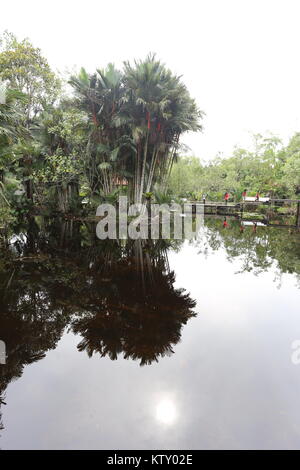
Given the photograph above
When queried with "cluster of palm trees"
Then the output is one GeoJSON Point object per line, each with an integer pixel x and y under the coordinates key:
{"type": "Point", "coordinates": [120, 128]}
{"type": "Point", "coordinates": [136, 119]}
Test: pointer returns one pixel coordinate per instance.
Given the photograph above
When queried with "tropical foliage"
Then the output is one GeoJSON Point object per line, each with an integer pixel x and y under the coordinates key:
{"type": "Point", "coordinates": [117, 130]}
{"type": "Point", "coordinates": [269, 168]}
{"type": "Point", "coordinates": [136, 119]}
{"type": "Point", "coordinates": [114, 131]}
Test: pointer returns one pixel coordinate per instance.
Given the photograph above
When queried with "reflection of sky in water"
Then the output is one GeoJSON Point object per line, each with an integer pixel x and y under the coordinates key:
{"type": "Point", "coordinates": [230, 383]}
{"type": "Point", "coordinates": [166, 412]}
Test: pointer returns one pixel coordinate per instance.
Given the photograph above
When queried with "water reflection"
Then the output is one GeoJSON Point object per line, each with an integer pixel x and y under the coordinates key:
{"type": "Point", "coordinates": [258, 247]}
{"type": "Point", "coordinates": [135, 310]}
{"type": "Point", "coordinates": [119, 298]}
{"type": "Point", "coordinates": [166, 412]}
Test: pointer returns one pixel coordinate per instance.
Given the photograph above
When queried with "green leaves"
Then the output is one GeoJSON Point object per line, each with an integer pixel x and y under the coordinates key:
{"type": "Point", "coordinates": [136, 119]}
{"type": "Point", "coordinates": [114, 154]}
{"type": "Point", "coordinates": [83, 76]}
{"type": "Point", "coordinates": [59, 168]}
{"type": "Point", "coordinates": [268, 167]}
{"type": "Point", "coordinates": [24, 69]}
{"type": "Point", "coordinates": [104, 166]}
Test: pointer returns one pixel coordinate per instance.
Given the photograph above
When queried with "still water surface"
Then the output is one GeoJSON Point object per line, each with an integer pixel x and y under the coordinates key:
{"type": "Point", "coordinates": [183, 345]}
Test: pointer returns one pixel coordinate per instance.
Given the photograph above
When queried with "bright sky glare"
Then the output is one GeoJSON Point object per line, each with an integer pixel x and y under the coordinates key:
{"type": "Point", "coordinates": [238, 58]}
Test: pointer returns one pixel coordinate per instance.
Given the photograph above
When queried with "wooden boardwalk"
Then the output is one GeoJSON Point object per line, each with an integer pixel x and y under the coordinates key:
{"type": "Point", "coordinates": [231, 209]}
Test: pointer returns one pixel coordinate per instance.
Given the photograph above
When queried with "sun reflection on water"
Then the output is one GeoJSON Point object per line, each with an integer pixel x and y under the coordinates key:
{"type": "Point", "coordinates": [166, 411]}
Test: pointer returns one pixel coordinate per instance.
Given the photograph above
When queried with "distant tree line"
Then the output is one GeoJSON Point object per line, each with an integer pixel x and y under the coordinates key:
{"type": "Point", "coordinates": [270, 168]}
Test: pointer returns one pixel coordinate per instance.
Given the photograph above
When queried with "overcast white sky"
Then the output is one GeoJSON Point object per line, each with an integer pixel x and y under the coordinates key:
{"type": "Point", "coordinates": [239, 58]}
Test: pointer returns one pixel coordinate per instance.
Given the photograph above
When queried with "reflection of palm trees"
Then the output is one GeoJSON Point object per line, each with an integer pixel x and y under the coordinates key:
{"type": "Point", "coordinates": [119, 296]}
{"type": "Point", "coordinates": [142, 314]}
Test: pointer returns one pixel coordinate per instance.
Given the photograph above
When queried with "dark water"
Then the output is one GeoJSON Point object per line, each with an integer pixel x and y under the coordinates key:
{"type": "Point", "coordinates": [166, 344]}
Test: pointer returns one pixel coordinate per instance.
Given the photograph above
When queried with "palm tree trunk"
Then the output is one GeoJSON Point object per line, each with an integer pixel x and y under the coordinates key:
{"type": "Point", "coordinates": [143, 169]}
{"type": "Point", "coordinates": [152, 169]}
{"type": "Point", "coordinates": [170, 163]}
{"type": "Point", "coordinates": [137, 174]}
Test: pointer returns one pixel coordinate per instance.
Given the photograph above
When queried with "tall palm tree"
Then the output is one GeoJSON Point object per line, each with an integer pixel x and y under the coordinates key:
{"type": "Point", "coordinates": [109, 145]}
{"type": "Point", "coordinates": [137, 118]}
{"type": "Point", "coordinates": [161, 110]}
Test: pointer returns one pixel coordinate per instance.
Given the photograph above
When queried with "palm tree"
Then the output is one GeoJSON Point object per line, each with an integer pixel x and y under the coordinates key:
{"type": "Point", "coordinates": [161, 109]}
{"type": "Point", "coordinates": [137, 119]}
{"type": "Point", "coordinates": [109, 145]}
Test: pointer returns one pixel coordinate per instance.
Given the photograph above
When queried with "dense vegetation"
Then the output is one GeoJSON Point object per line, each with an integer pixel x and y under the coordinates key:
{"type": "Point", "coordinates": [116, 131]}
{"type": "Point", "coordinates": [68, 144]}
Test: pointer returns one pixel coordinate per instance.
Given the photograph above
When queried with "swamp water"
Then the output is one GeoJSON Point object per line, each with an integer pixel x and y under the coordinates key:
{"type": "Point", "coordinates": [150, 344]}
